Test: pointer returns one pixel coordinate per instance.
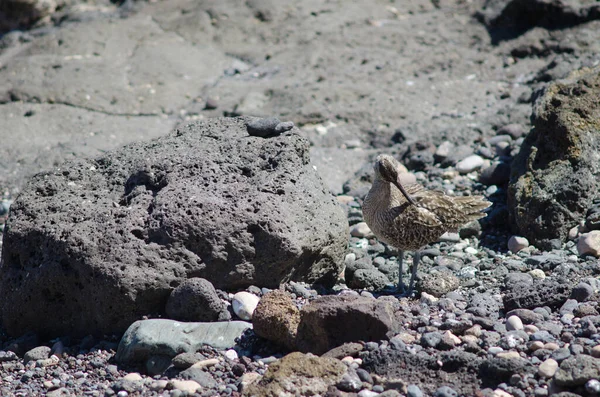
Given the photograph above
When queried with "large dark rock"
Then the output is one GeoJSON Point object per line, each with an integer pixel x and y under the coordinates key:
{"type": "Point", "coordinates": [459, 369]}
{"type": "Point", "coordinates": [556, 175]}
{"type": "Point", "coordinates": [96, 244]}
{"type": "Point", "coordinates": [548, 292]}
{"type": "Point", "coordinates": [330, 321]}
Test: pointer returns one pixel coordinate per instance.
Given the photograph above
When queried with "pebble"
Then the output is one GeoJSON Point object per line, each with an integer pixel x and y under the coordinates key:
{"type": "Point", "coordinates": [536, 345]}
{"type": "Point", "coordinates": [133, 376]}
{"type": "Point", "coordinates": [582, 292]}
{"type": "Point", "coordinates": [589, 243]}
{"type": "Point", "coordinates": [509, 355]}
{"type": "Point", "coordinates": [596, 351]}
{"type": "Point", "coordinates": [209, 362]}
{"type": "Point", "coordinates": [244, 303]}
{"type": "Point", "coordinates": [548, 368]}
{"type": "Point", "coordinates": [231, 355]}
{"type": "Point", "coordinates": [517, 243]}
{"type": "Point", "coordinates": [592, 386]}
{"type": "Point", "coordinates": [361, 230]}
{"type": "Point", "coordinates": [413, 391]}
{"type": "Point", "coordinates": [537, 274]}
{"type": "Point", "coordinates": [495, 350]}
{"type": "Point", "coordinates": [501, 393]}
{"type": "Point", "coordinates": [445, 391]}
{"type": "Point", "coordinates": [469, 164]}
{"type": "Point", "coordinates": [514, 130]}
{"type": "Point", "coordinates": [514, 323]}
{"type": "Point", "coordinates": [188, 386]}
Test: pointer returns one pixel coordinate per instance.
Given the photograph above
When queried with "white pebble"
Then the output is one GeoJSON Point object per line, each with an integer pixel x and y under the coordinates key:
{"type": "Point", "coordinates": [508, 355]}
{"type": "Point", "coordinates": [548, 368]}
{"type": "Point", "coordinates": [501, 393]}
{"type": "Point", "coordinates": [444, 149]}
{"type": "Point", "coordinates": [471, 250]}
{"type": "Point", "coordinates": [589, 243]}
{"type": "Point", "coordinates": [133, 376]}
{"type": "Point", "coordinates": [367, 393]}
{"type": "Point", "coordinates": [231, 354]}
{"type": "Point", "coordinates": [122, 393]}
{"type": "Point", "coordinates": [189, 386]}
{"type": "Point", "coordinates": [537, 273]}
{"type": "Point", "coordinates": [517, 243]}
{"type": "Point", "coordinates": [469, 164]}
{"type": "Point", "coordinates": [361, 229]}
{"type": "Point", "coordinates": [514, 323]}
{"type": "Point", "coordinates": [495, 350]}
{"type": "Point", "coordinates": [243, 304]}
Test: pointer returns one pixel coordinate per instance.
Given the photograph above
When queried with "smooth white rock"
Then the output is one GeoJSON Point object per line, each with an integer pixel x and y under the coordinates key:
{"type": "Point", "coordinates": [548, 368]}
{"type": "Point", "coordinates": [231, 354]}
{"type": "Point", "coordinates": [469, 164]}
{"type": "Point", "coordinates": [514, 323]}
{"type": "Point", "coordinates": [537, 273]}
{"type": "Point", "coordinates": [189, 386]}
{"type": "Point", "coordinates": [244, 303]}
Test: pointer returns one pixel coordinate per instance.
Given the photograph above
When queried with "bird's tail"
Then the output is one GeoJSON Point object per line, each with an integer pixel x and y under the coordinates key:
{"type": "Point", "coordinates": [472, 207]}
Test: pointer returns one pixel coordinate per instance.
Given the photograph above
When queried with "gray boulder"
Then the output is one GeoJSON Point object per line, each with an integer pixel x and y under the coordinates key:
{"type": "Point", "coordinates": [147, 338]}
{"type": "Point", "coordinates": [96, 244]}
{"type": "Point", "coordinates": [556, 175]}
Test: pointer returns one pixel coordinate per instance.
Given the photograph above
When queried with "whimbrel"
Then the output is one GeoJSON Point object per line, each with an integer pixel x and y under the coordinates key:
{"type": "Point", "coordinates": [410, 217]}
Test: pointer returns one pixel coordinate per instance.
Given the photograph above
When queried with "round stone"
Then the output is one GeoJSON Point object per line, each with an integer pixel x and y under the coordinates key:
{"type": "Point", "coordinates": [469, 164]}
{"type": "Point", "coordinates": [517, 243]}
{"type": "Point", "coordinates": [582, 292]}
{"type": "Point", "coordinates": [589, 244]}
{"type": "Point", "coordinates": [537, 274]}
{"type": "Point", "coordinates": [548, 368]}
{"type": "Point", "coordinates": [361, 230]}
{"type": "Point", "coordinates": [514, 323]}
{"type": "Point", "coordinates": [243, 304]}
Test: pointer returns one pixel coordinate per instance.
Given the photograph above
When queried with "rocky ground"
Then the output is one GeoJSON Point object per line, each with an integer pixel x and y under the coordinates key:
{"type": "Point", "coordinates": [466, 93]}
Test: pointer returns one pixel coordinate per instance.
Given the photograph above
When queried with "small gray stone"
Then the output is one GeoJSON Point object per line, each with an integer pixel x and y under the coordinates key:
{"type": "Point", "coordinates": [439, 283]}
{"type": "Point", "coordinates": [514, 130]}
{"type": "Point", "coordinates": [413, 391]}
{"type": "Point", "coordinates": [196, 299]}
{"type": "Point", "coordinates": [431, 339]}
{"type": "Point", "coordinates": [263, 127]}
{"type": "Point", "coordinates": [199, 375]}
{"type": "Point", "coordinates": [369, 279]}
{"type": "Point", "coordinates": [445, 391]}
{"type": "Point", "coordinates": [350, 382]}
{"type": "Point", "coordinates": [186, 360]}
{"type": "Point", "coordinates": [37, 353]}
{"type": "Point", "coordinates": [582, 292]}
{"type": "Point", "coordinates": [284, 126]}
{"type": "Point", "coordinates": [469, 164]}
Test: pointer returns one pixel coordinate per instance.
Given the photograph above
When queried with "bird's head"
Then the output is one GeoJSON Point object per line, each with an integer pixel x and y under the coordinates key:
{"type": "Point", "coordinates": [386, 168]}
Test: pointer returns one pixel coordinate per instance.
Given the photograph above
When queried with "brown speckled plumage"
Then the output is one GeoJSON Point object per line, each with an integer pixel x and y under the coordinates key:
{"type": "Point", "coordinates": [419, 217]}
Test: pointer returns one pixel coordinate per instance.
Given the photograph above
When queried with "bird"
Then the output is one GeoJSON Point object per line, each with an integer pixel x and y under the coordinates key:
{"type": "Point", "coordinates": [411, 217]}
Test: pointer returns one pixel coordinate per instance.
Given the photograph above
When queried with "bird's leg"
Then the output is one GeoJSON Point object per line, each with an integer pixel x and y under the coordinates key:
{"type": "Point", "coordinates": [413, 275]}
{"type": "Point", "coordinates": [401, 288]}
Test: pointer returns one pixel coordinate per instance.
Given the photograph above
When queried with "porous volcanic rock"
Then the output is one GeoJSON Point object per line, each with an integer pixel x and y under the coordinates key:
{"type": "Point", "coordinates": [276, 318]}
{"type": "Point", "coordinates": [330, 321]}
{"type": "Point", "coordinates": [556, 175]}
{"type": "Point", "coordinates": [305, 374]}
{"type": "Point", "coordinates": [96, 244]}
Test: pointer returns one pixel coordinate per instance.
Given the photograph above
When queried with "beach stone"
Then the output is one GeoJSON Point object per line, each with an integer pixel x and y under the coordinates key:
{"type": "Point", "coordinates": [188, 386]}
{"type": "Point", "coordinates": [204, 201]}
{"type": "Point", "coordinates": [196, 299]}
{"type": "Point", "coordinates": [498, 173]}
{"type": "Point", "coordinates": [582, 292]}
{"type": "Point", "coordinates": [187, 359]}
{"type": "Point", "coordinates": [330, 321]}
{"type": "Point", "coordinates": [484, 305]}
{"type": "Point", "coordinates": [439, 283]}
{"type": "Point", "coordinates": [306, 374]}
{"type": "Point", "coordinates": [577, 370]}
{"type": "Point", "coordinates": [369, 279]}
{"type": "Point", "coordinates": [167, 337]}
{"type": "Point", "coordinates": [514, 130]}
{"type": "Point", "coordinates": [276, 318]}
{"type": "Point", "coordinates": [243, 304]}
{"type": "Point", "coordinates": [200, 376]}
{"type": "Point", "coordinates": [469, 164]}
{"type": "Point", "coordinates": [38, 353]}
{"type": "Point", "coordinates": [263, 127]}
{"type": "Point", "coordinates": [589, 243]}
{"type": "Point", "coordinates": [361, 230]}
{"type": "Point", "coordinates": [514, 323]}
{"type": "Point", "coordinates": [517, 243]}
{"type": "Point", "coordinates": [555, 177]}
{"type": "Point", "coordinates": [545, 292]}
{"type": "Point", "coordinates": [548, 368]}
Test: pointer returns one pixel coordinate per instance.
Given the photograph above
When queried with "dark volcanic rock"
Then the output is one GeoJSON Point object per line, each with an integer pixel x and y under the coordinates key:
{"type": "Point", "coordinates": [330, 321]}
{"type": "Point", "coordinates": [556, 175]}
{"type": "Point", "coordinates": [95, 245]}
{"type": "Point", "coordinates": [196, 300]}
{"type": "Point", "coordinates": [547, 292]}
{"type": "Point", "coordinates": [576, 371]}
{"type": "Point", "coordinates": [458, 370]}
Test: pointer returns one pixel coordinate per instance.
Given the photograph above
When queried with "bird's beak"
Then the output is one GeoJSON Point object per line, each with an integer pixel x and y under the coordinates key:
{"type": "Point", "coordinates": [398, 184]}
